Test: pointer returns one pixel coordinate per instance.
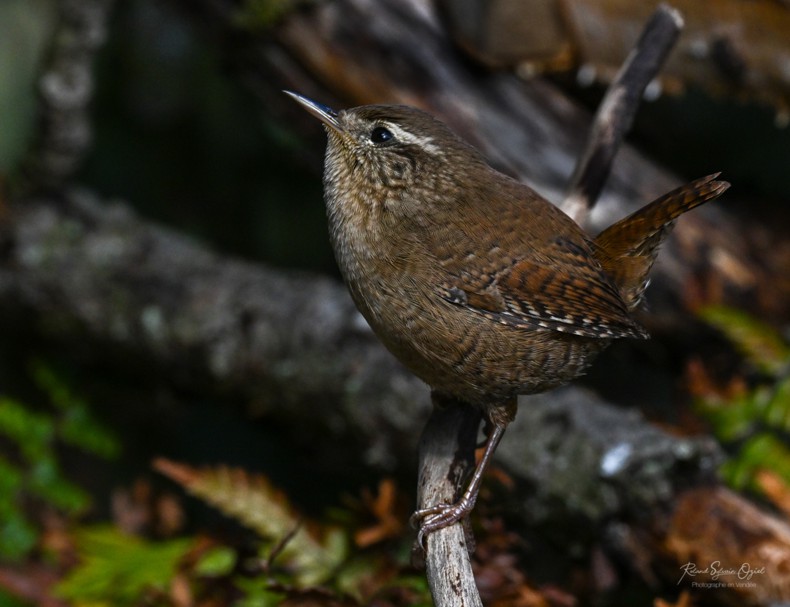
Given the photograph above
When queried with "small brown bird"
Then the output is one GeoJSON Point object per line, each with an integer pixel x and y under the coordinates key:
{"type": "Point", "coordinates": [480, 286]}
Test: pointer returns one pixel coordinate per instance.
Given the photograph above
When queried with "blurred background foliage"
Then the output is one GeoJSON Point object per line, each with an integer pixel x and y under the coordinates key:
{"type": "Point", "coordinates": [173, 134]}
{"type": "Point", "coordinates": [191, 148]}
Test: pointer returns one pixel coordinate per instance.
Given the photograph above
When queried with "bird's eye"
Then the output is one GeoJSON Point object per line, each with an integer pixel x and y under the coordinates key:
{"type": "Point", "coordinates": [381, 134]}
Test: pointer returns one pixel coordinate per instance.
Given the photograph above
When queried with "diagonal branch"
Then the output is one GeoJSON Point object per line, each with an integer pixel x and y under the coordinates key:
{"type": "Point", "coordinates": [618, 108]}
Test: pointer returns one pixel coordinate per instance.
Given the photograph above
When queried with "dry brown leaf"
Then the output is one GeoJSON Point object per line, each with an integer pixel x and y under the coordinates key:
{"type": "Point", "coordinates": [181, 591]}
{"type": "Point", "coordinates": [389, 522]}
{"type": "Point", "coordinates": [684, 600]}
{"type": "Point", "coordinates": [775, 489]}
{"type": "Point", "coordinates": [700, 384]}
{"type": "Point", "coordinates": [31, 583]}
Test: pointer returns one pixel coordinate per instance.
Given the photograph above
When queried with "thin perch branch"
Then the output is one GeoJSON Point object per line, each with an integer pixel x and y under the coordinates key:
{"type": "Point", "coordinates": [447, 450]}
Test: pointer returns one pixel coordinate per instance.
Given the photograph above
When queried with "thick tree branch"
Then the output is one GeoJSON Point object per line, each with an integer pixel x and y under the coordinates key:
{"type": "Point", "coordinates": [94, 276]}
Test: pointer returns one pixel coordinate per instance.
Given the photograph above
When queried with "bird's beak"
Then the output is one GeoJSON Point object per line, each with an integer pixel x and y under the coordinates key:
{"type": "Point", "coordinates": [325, 114]}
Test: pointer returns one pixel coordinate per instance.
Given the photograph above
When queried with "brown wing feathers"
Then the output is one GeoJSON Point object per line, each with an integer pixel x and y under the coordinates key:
{"type": "Point", "coordinates": [587, 289]}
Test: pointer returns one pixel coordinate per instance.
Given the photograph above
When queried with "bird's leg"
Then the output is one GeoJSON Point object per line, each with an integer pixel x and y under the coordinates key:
{"type": "Point", "coordinates": [442, 515]}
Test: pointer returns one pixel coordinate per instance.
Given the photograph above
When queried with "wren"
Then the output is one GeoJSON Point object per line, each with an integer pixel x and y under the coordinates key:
{"type": "Point", "coordinates": [477, 284]}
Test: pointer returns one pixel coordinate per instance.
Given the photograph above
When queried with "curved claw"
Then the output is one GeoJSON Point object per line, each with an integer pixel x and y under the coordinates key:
{"type": "Point", "coordinates": [415, 520]}
{"type": "Point", "coordinates": [440, 516]}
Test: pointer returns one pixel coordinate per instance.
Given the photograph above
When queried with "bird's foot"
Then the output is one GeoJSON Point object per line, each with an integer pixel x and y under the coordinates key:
{"type": "Point", "coordinates": [439, 516]}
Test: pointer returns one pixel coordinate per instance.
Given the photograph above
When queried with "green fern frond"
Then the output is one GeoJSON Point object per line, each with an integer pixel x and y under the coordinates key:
{"type": "Point", "coordinates": [757, 341]}
{"type": "Point", "coordinates": [30, 471]}
{"type": "Point", "coordinates": [250, 499]}
{"type": "Point", "coordinates": [756, 421]}
{"type": "Point", "coordinates": [762, 451]}
{"type": "Point", "coordinates": [76, 425]}
{"type": "Point", "coordinates": [117, 569]}
{"type": "Point", "coordinates": [32, 432]}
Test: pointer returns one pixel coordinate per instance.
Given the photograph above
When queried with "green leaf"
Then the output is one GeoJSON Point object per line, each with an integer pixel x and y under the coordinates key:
{"type": "Point", "coordinates": [257, 593]}
{"type": "Point", "coordinates": [77, 427]}
{"type": "Point", "coordinates": [761, 452]}
{"type": "Point", "coordinates": [216, 562]}
{"type": "Point", "coordinates": [117, 569]}
{"type": "Point", "coordinates": [7, 600]}
{"type": "Point", "coordinates": [44, 480]}
{"type": "Point", "coordinates": [760, 343]}
{"type": "Point", "coordinates": [32, 438]}
{"type": "Point", "coordinates": [777, 408]}
{"type": "Point", "coordinates": [733, 420]}
{"type": "Point", "coordinates": [765, 408]}
{"type": "Point", "coordinates": [10, 480]}
{"type": "Point", "coordinates": [17, 535]}
{"type": "Point", "coordinates": [57, 390]}
{"type": "Point", "coordinates": [31, 431]}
